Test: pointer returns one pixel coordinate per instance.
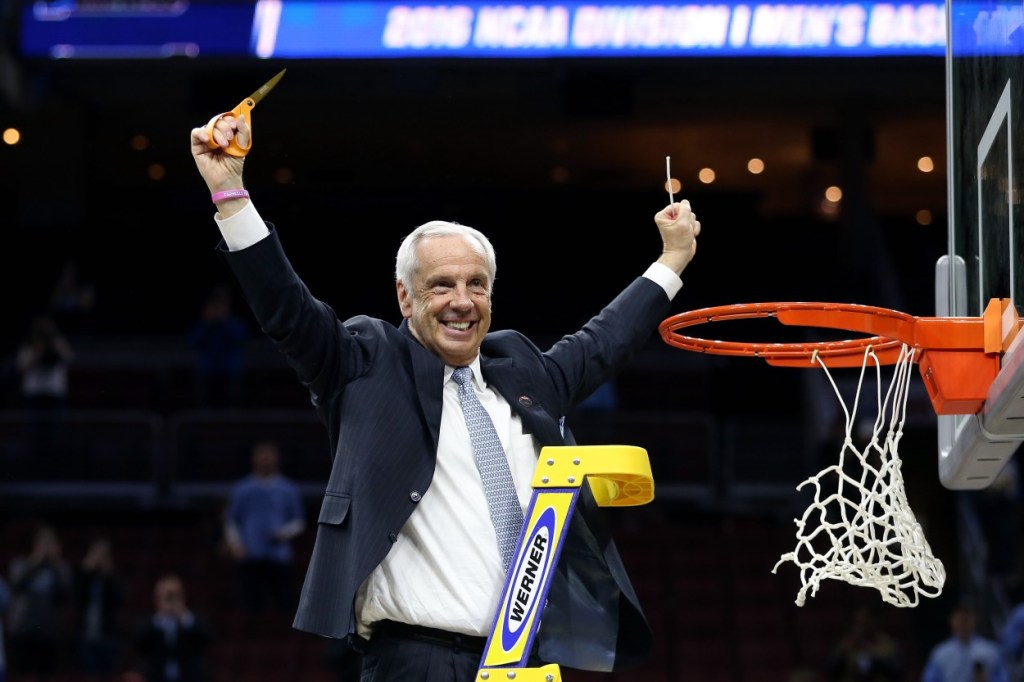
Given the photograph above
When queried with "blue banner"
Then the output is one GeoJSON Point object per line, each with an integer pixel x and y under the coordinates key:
{"type": "Point", "coordinates": [335, 29]}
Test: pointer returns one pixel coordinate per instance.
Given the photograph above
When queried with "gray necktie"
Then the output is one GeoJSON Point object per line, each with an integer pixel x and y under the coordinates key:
{"type": "Point", "coordinates": [506, 514]}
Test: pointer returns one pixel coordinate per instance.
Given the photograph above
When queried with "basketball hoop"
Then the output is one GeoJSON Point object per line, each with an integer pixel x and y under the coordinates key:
{"type": "Point", "coordinates": [860, 528]}
{"type": "Point", "coordinates": [958, 357]}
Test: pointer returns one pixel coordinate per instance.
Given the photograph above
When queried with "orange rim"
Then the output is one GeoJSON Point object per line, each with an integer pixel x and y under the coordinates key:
{"type": "Point", "coordinates": [884, 325]}
{"type": "Point", "coordinates": [958, 357]}
{"type": "Point", "coordinates": [887, 331]}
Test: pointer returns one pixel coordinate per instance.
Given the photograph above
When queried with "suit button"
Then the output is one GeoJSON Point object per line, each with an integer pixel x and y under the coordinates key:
{"type": "Point", "coordinates": [415, 496]}
{"type": "Point", "coordinates": [525, 401]}
{"type": "Point", "coordinates": [393, 537]}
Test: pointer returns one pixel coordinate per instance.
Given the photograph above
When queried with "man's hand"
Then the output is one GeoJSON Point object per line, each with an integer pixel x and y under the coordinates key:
{"type": "Point", "coordinates": [221, 171]}
{"type": "Point", "coordinates": [679, 228]}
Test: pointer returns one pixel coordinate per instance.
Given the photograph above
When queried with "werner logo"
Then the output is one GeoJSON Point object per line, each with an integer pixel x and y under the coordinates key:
{"type": "Point", "coordinates": [527, 582]}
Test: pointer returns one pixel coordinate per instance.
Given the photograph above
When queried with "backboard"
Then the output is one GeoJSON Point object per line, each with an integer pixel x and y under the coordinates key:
{"type": "Point", "coordinates": [985, 130]}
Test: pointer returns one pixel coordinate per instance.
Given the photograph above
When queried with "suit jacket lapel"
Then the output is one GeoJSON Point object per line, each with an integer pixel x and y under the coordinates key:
{"type": "Point", "coordinates": [525, 401]}
{"type": "Point", "coordinates": [428, 374]}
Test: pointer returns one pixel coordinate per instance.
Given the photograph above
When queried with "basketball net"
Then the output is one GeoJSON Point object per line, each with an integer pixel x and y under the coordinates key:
{"type": "Point", "coordinates": [860, 528]}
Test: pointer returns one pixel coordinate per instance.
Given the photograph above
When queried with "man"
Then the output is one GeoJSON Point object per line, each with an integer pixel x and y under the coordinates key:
{"type": "Point", "coordinates": [264, 516]}
{"type": "Point", "coordinates": [1011, 641]}
{"type": "Point", "coordinates": [966, 655]}
{"type": "Point", "coordinates": [866, 653]}
{"type": "Point", "coordinates": [173, 642]}
{"type": "Point", "coordinates": [40, 583]}
{"type": "Point", "coordinates": [406, 555]}
{"type": "Point", "coordinates": [219, 338]}
{"type": "Point", "coordinates": [5, 601]}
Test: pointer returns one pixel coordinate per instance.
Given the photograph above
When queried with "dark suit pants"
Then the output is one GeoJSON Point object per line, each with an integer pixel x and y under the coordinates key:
{"type": "Point", "coordinates": [400, 659]}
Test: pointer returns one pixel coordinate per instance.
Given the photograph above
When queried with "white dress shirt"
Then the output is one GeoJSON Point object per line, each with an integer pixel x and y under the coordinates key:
{"type": "Point", "coordinates": [445, 570]}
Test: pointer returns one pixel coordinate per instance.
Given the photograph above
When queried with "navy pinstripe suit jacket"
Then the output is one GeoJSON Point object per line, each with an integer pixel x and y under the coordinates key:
{"type": "Point", "coordinates": [378, 393]}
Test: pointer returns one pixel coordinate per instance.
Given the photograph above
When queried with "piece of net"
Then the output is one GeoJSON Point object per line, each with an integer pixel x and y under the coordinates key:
{"type": "Point", "coordinates": [860, 528]}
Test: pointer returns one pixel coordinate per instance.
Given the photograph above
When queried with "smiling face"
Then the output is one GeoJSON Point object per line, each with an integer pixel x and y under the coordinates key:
{"type": "Point", "coordinates": [449, 303]}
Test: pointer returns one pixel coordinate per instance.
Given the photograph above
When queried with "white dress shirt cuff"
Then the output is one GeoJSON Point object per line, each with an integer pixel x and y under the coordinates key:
{"type": "Point", "coordinates": [243, 229]}
{"type": "Point", "coordinates": [663, 276]}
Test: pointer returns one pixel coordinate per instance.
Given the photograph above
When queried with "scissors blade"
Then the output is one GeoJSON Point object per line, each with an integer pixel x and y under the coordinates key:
{"type": "Point", "coordinates": [265, 88]}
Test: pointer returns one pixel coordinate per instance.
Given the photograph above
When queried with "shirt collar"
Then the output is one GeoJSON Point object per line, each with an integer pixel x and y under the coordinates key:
{"type": "Point", "coordinates": [478, 379]}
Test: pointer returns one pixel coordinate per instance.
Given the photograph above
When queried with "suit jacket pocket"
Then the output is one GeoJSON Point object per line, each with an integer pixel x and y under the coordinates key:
{"type": "Point", "coordinates": [334, 509]}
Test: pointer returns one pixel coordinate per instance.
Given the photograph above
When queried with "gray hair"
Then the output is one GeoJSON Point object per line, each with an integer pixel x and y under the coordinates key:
{"type": "Point", "coordinates": [407, 261]}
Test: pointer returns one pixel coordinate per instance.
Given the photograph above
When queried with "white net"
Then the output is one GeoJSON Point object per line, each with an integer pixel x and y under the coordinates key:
{"type": "Point", "coordinates": [860, 528]}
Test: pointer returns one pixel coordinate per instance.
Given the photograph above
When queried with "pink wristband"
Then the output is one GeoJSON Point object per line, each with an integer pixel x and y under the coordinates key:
{"type": "Point", "coordinates": [229, 194]}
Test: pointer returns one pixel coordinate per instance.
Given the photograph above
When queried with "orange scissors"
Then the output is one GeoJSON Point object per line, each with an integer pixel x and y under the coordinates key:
{"type": "Point", "coordinates": [242, 111]}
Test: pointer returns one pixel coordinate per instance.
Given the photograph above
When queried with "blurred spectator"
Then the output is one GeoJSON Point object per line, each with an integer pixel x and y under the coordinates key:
{"type": "Point", "coordinates": [590, 418]}
{"type": "Point", "coordinates": [72, 300]}
{"type": "Point", "coordinates": [966, 656]}
{"type": "Point", "coordinates": [5, 602]}
{"type": "Point", "coordinates": [219, 338]}
{"type": "Point", "coordinates": [40, 587]}
{"type": "Point", "coordinates": [43, 360]}
{"type": "Point", "coordinates": [99, 598]}
{"type": "Point", "coordinates": [173, 642]}
{"type": "Point", "coordinates": [866, 653]}
{"type": "Point", "coordinates": [604, 399]}
{"type": "Point", "coordinates": [264, 516]}
{"type": "Point", "coordinates": [1011, 640]}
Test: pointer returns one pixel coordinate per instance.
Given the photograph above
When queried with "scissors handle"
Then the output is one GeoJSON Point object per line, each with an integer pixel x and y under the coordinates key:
{"type": "Point", "coordinates": [241, 111]}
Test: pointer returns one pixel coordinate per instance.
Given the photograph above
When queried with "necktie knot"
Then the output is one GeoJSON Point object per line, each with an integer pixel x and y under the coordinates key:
{"type": "Point", "coordinates": [462, 375]}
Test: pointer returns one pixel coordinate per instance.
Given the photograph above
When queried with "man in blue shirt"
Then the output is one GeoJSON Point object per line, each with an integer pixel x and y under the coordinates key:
{"type": "Point", "coordinates": [966, 656]}
{"type": "Point", "coordinates": [1011, 639]}
{"type": "Point", "coordinates": [264, 516]}
{"type": "Point", "coordinates": [5, 601]}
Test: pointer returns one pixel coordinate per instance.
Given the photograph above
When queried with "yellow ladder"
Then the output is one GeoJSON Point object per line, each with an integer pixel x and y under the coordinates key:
{"type": "Point", "coordinates": [619, 476]}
